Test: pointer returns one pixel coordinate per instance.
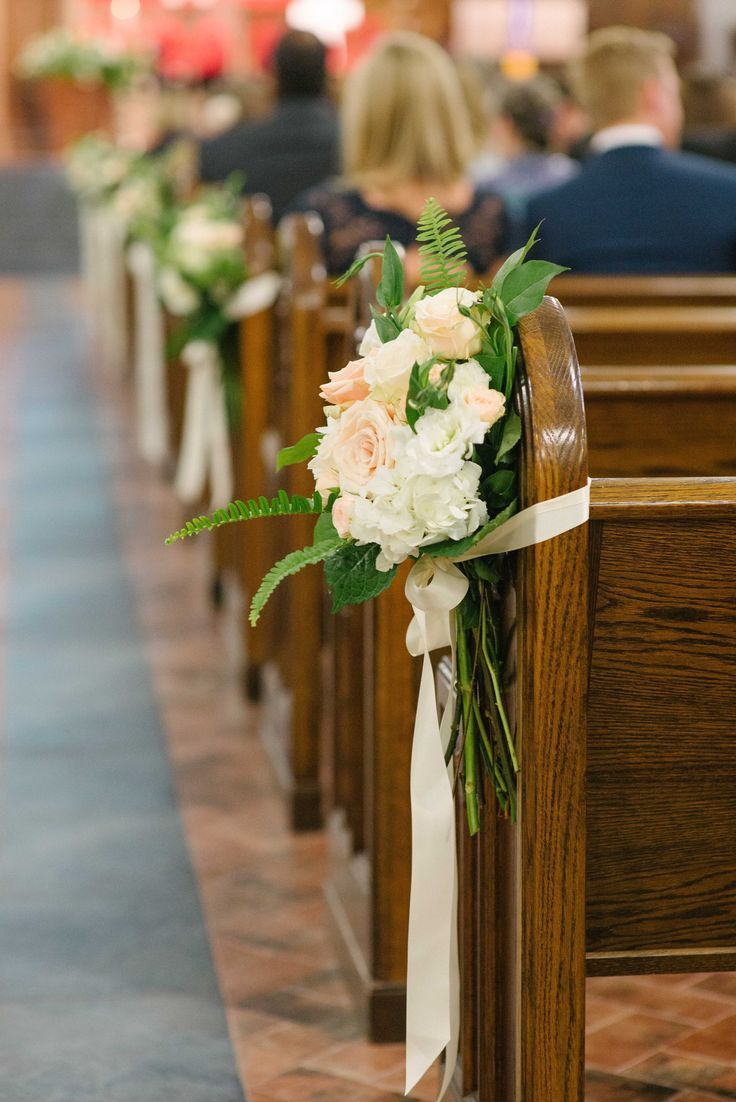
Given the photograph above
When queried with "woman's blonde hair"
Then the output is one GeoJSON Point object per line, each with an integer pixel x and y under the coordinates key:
{"type": "Point", "coordinates": [405, 116]}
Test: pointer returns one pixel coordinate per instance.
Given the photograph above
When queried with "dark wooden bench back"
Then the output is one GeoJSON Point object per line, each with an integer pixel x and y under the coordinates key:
{"type": "Point", "coordinates": [654, 334]}
{"type": "Point", "coordinates": [662, 290]}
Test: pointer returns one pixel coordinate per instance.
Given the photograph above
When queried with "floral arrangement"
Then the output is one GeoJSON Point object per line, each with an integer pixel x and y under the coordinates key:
{"type": "Point", "coordinates": [201, 269]}
{"type": "Point", "coordinates": [96, 167]}
{"type": "Point", "coordinates": [59, 54]}
{"type": "Point", "coordinates": [417, 459]}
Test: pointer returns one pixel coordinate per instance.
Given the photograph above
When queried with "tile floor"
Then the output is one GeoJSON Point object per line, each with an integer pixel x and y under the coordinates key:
{"type": "Point", "coordinates": [668, 1039]}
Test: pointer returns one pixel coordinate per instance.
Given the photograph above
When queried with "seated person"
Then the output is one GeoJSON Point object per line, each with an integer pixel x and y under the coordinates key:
{"type": "Point", "coordinates": [295, 146]}
{"type": "Point", "coordinates": [521, 133]}
{"type": "Point", "coordinates": [406, 136]}
{"type": "Point", "coordinates": [637, 206]}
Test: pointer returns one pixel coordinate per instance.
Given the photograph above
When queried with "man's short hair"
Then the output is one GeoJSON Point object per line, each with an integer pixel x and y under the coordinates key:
{"type": "Point", "coordinates": [616, 62]}
{"type": "Point", "coordinates": [300, 64]}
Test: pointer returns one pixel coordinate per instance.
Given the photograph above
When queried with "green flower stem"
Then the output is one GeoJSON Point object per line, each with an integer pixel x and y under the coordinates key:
{"type": "Point", "coordinates": [465, 687]}
{"type": "Point", "coordinates": [491, 663]}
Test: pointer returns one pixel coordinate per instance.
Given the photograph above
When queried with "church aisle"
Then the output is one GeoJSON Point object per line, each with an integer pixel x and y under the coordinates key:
{"type": "Point", "coordinates": [107, 989]}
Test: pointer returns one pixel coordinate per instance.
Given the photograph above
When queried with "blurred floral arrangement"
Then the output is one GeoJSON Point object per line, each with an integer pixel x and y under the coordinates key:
{"type": "Point", "coordinates": [96, 168]}
{"type": "Point", "coordinates": [57, 54]}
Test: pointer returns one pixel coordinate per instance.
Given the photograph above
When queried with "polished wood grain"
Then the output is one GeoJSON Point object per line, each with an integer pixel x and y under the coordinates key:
{"type": "Point", "coordinates": [616, 290]}
{"type": "Point", "coordinates": [654, 334]}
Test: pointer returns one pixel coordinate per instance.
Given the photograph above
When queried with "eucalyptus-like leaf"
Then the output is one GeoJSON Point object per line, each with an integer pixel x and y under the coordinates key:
{"type": "Point", "coordinates": [514, 260]}
{"type": "Point", "coordinates": [511, 435]}
{"type": "Point", "coordinates": [298, 453]}
{"type": "Point", "coordinates": [391, 287]}
{"type": "Point", "coordinates": [524, 287]}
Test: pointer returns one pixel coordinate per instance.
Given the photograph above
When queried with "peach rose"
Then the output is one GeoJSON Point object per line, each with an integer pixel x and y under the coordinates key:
{"type": "Point", "coordinates": [439, 322]}
{"type": "Point", "coordinates": [347, 385]}
{"type": "Point", "coordinates": [487, 404]}
{"type": "Point", "coordinates": [342, 512]}
{"type": "Point", "coordinates": [362, 444]}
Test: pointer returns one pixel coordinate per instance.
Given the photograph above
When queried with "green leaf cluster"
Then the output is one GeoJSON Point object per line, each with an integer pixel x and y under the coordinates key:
{"type": "Point", "coordinates": [423, 394]}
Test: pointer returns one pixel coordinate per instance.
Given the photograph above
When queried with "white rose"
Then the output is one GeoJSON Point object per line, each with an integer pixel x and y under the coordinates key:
{"type": "Point", "coordinates": [443, 439]}
{"type": "Point", "coordinates": [371, 340]}
{"type": "Point", "coordinates": [388, 367]}
{"type": "Point", "coordinates": [448, 333]}
{"type": "Point", "coordinates": [178, 297]}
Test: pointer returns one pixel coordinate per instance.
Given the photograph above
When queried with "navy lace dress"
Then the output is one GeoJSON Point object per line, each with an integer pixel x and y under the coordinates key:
{"type": "Point", "coordinates": [349, 222]}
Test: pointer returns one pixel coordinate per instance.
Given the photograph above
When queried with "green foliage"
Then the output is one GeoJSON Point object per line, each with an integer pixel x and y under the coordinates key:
{"type": "Point", "coordinates": [441, 248]}
{"type": "Point", "coordinates": [300, 452]}
{"type": "Point", "coordinates": [424, 394]}
{"type": "Point", "coordinates": [524, 287]}
{"type": "Point", "coordinates": [357, 266]}
{"type": "Point", "coordinates": [390, 290]}
{"type": "Point", "coordinates": [386, 326]}
{"type": "Point", "coordinates": [279, 506]}
{"type": "Point", "coordinates": [290, 564]}
{"type": "Point", "coordinates": [352, 575]}
{"type": "Point", "coordinates": [511, 434]}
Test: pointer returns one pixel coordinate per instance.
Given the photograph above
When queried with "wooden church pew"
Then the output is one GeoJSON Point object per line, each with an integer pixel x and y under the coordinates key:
{"type": "Point", "coordinates": [640, 603]}
{"type": "Point", "coordinates": [654, 334]}
{"type": "Point", "coordinates": [662, 290]}
{"type": "Point", "coordinates": [674, 420]}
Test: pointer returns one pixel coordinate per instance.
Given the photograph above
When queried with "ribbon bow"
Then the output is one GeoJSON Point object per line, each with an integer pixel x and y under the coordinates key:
{"type": "Point", "coordinates": [434, 588]}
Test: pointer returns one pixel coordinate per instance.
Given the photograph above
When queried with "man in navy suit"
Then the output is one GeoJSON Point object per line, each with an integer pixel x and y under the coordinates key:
{"type": "Point", "coordinates": [637, 206]}
{"type": "Point", "coordinates": [297, 145]}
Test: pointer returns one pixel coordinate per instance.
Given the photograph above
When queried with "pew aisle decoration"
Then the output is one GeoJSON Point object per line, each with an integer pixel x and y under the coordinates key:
{"type": "Point", "coordinates": [204, 284]}
{"type": "Point", "coordinates": [418, 459]}
{"type": "Point", "coordinates": [60, 55]}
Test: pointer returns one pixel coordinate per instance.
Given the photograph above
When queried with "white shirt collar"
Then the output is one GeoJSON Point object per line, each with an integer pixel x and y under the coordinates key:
{"type": "Point", "coordinates": [634, 133]}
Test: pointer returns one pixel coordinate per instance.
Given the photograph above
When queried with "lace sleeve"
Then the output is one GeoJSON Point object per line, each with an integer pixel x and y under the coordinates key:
{"type": "Point", "coordinates": [485, 230]}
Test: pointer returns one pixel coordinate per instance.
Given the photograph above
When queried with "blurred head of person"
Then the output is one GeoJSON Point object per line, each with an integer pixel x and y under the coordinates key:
{"type": "Point", "coordinates": [526, 117]}
{"type": "Point", "coordinates": [627, 75]}
{"type": "Point", "coordinates": [405, 116]}
{"type": "Point", "coordinates": [299, 65]}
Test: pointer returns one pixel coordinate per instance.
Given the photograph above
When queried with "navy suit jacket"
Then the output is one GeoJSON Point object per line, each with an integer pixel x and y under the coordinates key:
{"type": "Point", "coordinates": [640, 209]}
{"type": "Point", "coordinates": [282, 155]}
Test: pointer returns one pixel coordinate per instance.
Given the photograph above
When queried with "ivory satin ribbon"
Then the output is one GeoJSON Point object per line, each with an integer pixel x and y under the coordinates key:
{"type": "Point", "coordinates": [435, 587]}
{"type": "Point", "coordinates": [205, 447]}
{"type": "Point", "coordinates": [152, 417]}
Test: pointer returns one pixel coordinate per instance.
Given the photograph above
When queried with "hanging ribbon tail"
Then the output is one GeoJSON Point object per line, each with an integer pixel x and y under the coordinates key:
{"type": "Point", "coordinates": [434, 588]}
{"type": "Point", "coordinates": [255, 295]}
{"type": "Point", "coordinates": [152, 419]}
{"type": "Point", "coordinates": [205, 447]}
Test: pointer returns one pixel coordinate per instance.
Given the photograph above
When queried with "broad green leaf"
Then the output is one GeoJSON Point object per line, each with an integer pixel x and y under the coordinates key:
{"type": "Point", "coordinates": [386, 327]}
{"type": "Point", "coordinates": [514, 260]}
{"type": "Point", "coordinates": [391, 286]}
{"type": "Point", "coordinates": [494, 366]}
{"type": "Point", "coordinates": [352, 575]}
{"type": "Point", "coordinates": [500, 484]}
{"type": "Point", "coordinates": [523, 288]}
{"type": "Point", "coordinates": [324, 530]}
{"type": "Point", "coordinates": [511, 435]}
{"type": "Point", "coordinates": [297, 453]}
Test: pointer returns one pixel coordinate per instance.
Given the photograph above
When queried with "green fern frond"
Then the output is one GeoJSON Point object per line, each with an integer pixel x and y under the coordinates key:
{"type": "Point", "coordinates": [441, 249]}
{"type": "Point", "coordinates": [291, 564]}
{"type": "Point", "coordinates": [279, 506]}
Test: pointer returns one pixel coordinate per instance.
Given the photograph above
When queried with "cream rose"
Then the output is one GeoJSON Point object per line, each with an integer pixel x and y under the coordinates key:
{"type": "Point", "coordinates": [439, 322]}
{"type": "Point", "coordinates": [388, 367]}
{"type": "Point", "coordinates": [486, 404]}
{"type": "Point", "coordinates": [362, 444]}
{"type": "Point", "coordinates": [347, 385]}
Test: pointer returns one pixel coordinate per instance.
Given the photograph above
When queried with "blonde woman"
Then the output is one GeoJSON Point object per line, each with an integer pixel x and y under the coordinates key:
{"type": "Point", "coordinates": [406, 135]}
